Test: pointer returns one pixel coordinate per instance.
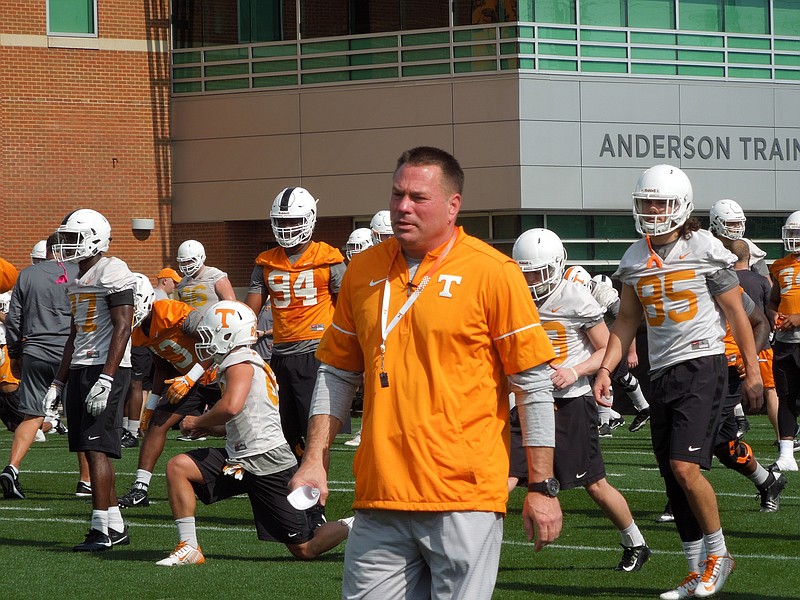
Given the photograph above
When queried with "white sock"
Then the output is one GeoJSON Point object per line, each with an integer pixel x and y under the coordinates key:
{"type": "Point", "coordinates": [738, 411]}
{"type": "Point", "coordinates": [759, 476]}
{"type": "Point", "coordinates": [631, 536]}
{"type": "Point", "coordinates": [614, 414]}
{"type": "Point", "coordinates": [715, 543]}
{"type": "Point", "coordinates": [637, 397]}
{"type": "Point", "coordinates": [605, 414]}
{"type": "Point", "coordinates": [100, 520]}
{"type": "Point", "coordinates": [694, 552]}
{"type": "Point", "coordinates": [143, 477]}
{"type": "Point", "coordinates": [786, 450]}
{"type": "Point", "coordinates": [14, 469]}
{"type": "Point", "coordinates": [115, 521]}
{"type": "Point", "coordinates": [186, 531]}
{"type": "Point", "coordinates": [124, 422]}
{"type": "Point", "coordinates": [133, 426]}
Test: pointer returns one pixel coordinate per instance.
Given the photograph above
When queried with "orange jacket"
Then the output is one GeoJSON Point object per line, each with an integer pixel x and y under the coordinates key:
{"type": "Point", "coordinates": [8, 276]}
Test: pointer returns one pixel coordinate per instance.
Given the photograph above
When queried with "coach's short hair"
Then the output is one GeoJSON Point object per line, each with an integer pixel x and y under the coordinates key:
{"type": "Point", "coordinates": [428, 155]}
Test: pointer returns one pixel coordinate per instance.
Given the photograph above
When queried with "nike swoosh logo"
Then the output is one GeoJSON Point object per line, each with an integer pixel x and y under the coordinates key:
{"type": "Point", "coordinates": [291, 535]}
{"type": "Point", "coordinates": [682, 256]}
{"type": "Point", "coordinates": [693, 449]}
{"type": "Point", "coordinates": [579, 475]}
{"type": "Point", "coordinates": [373, 283]}
{"type": "Point", "coordinates": [96, 437]}
{"type": "Point", "coordinates": [556, 309]}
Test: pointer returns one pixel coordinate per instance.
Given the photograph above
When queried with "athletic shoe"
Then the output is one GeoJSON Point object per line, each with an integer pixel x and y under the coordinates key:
{"type": "Point", "coordinates": [184, 554]}
{"type": "Point", "coordinates": [633, 557]}
{"type": "Point", "coordinates": [771, 496]}
{"type": "Point", "coordinates": [57, 427]}
{"type": "Point", "coordinates": [40, 436]}
{"type": "Point", "coordinates": [784, 465]}
{"type": "Point", "coordinates": [129, 440]}
{"type": "Point", "coordinates": [136, 496]}
{"type": "Point", "coordinates": [356, 441]}
{"type": "Point", "coordinates": [316, 516]}
{"type": "Point", "coordinates": [119, 538]}
{"type": "Point", "coordinates": [188, 438]}
{"type": "Point", "coordinates": [666, 516]}
{"type": "Point", "coordinates": [10, 482]}
{"type": "Point", "coordinates": [742, 427]}
{"type": "Point", "coordinates": [639, 421]}
{"type": "Point", "coordinates": [83, 490]}
{"type": "Point", "coordinates": [348, 522]}
{"type": "Point", "coordinates": [615, 422]}
{"type": "Point", "coordinates": [717, 570]}
{"type": "Point", "coordinates": [685, 589]}
{"type": "Point", "coordinates": [96, 541]}
{"type": "Point", "coordinates": [605, 431]}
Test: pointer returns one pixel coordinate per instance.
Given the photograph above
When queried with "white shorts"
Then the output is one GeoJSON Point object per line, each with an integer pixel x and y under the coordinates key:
{"type": "Point", "coordinates": [422, 555]}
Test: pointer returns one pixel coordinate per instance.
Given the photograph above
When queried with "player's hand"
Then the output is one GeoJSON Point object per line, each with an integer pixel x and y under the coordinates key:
{"type": "Point", "coordinates": [52, 397]}
{"type": "Point", "coordinates": [753, 391]}
{"type": "Point", "coordinates": [97, 399]}
{"type": "Point", "coordinates": [312, 474]}
{"type": "Point", "coordinates": [601, 389]}
{"type": "Point", "coordinates": [180, 386]}
{"type": "Point", "coordinates": [563, 377]}
{"type": "Point", "coordinates": [541, 518]}
{"type": "Point", "coordinates": [632, 360]}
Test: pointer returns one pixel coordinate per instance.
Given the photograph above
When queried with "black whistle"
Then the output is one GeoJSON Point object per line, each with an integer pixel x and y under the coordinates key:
{"type": "Point", "coordinates": [384, 380]}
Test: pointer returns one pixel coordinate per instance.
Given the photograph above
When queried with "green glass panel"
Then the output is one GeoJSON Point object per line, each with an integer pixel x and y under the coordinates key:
{"type": "Point", "coordinates": [384, 73]}
{"type": "Point", "coordinates": [604, 52]}
{"type": "Point", "coordinates": [787, 60]}
{"type": "Point", "coordinates": [374, 58]}
{"type": "Point", "coordinates": [517, 48]}
{"type": "Point", "coordinates": [425, 39]}
{"type": "Point", "coordinates": [524, 10]}
{"type": "Point", "coordinates": [786, 17]}
{"type": "Point", "coordinates": [269, 51]}
{"type": "Point", "coordinates": [477, 226]}
{"type": "Point", "coordinates": [511, 32]}
{"type": "Point", "coordinates": [604, 13]}
{"type": "Point", "coordinates": [645, 69]}
{"type": "Point", "coordinates": [752, 43]}
{"type": "Point", "coordinates": [596, 35]}
{"type": "Point", "coordinates": [479, 50]}
{"type": "Point", "coordinates": [227, 84]}
{"type": "Point", "coordinates": [326, 62]}
{"type": "Point", "coordinates": [329, 77]}
{"type": "Point", "coordinates": [557, 49]}
{"type": "Point", "coordinates": [710, 41]}
{"type": "Point", "coordinates": [186, 73]}
{"type": "Point", "coordinates": [613, 251]}
{"type": "Point", "coordinates": [653, 54]}
{"type": "Point", "coordinates": [222, 70]}
{"type": "Point", "coordinates": [421, 70]}
{"type": "Point", "coordinates": [774, 251]}
{"type": "Point", "coordinates": [578, 252]}
{"type": "Point", "coordinates": [551, 64]}
{"type": "Point", "coordinates": [698, 71]}
{"type": "Point", "coordinates": [370, 43]}
{"type": "Point", "coordinates": [71, 16]}
{"type": "Point", "coordinates": [570, 226]}
{"type": "Point", "coordinates": [274, 66]}
{"type": "Point", "coordinates": [277, 81]}
{"type": "Point", "coordinates": [469, 35]}
{"type": "Point", "coordinates": [603, 67]}
{"type": "Point", "coordinates": [747, 16]}
{"type": "Point", "coordinates": [789, 45]}
{"type": "Point", "coordinates": [530, 221]}
{"type": "Point", "coordinates": [787, 75]}
{"type": "Point", "coordinates": [324, 47]}
{"type": "Point", "coordinates": [749, 59]}
{"type": "Point", "coordinates": [700, 56]}
{"type": "Point", "coordinates": [229, 54]}
{"type": "Point", "coordinates": [259, 21]}
{"type": "Point", "coordinates": [651, 14]}
{"type": "Point", "coordinates": [182, 58]}
{"type": "Point", "coordinates": [614, 227]}
{"type": "Point", "coordinates": [554, 11]}
{"type": "Point", "coordinates": [765, 228]}
{"type": "Point", "coordinates": [556, 33]}
{"type": "Point", "coordinates": [746, 73]}
{"type": "Point", "coordinates": [475, 66]}
{"type": "Point", "coordinates": [701, 15]}
{"type": "Point", "coordinates": [666, 39]}
{"type": "Point", "coordinates": [507, 227]}
{"type": "Point", "coordinates": [429, 54]}
{"type": "Point", "coordinates": [187, 87]}
{"type": "Point", "coordinates": [513, 63]}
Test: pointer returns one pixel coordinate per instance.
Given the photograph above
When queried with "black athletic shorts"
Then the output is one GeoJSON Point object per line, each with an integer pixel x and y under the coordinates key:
{"type": "Point", "coordinates": [727, 426]}
{"type": "Point", "coordinates": [786, 369]}
{"type": "Point", "coordinates": [274, 517]}
{"type": "Point", "coordinates": [142, 366]}
{"type": "Point", "coordinates": [9, 410]}
{"type": "Point", "coordinates": [577, 461]}
{"type": "Point", "coordinates": [196, 402]}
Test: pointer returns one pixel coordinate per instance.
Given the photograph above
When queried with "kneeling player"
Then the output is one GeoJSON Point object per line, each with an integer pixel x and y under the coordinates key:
{"type": "Point", "coordinates": [256, 459]}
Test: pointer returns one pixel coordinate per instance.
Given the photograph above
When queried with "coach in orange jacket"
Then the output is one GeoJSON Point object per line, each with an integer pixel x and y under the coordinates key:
{"type": "Point", "coordinates": [437, 323]}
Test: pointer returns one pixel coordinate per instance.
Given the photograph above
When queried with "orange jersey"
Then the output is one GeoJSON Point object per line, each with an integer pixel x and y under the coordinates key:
{"type": "Point", "coordinates": [5, 369]}
{"type": "Point", "coordinates": [731, 349]}
{"type": "Point", "coordinates": [167, 338]}
{"type": "Point", "coordinates": [302, 305]}
{"type": "Point", "coordinates": [786, 273]}
{"type": "Point", "coordinates": [8, 276]}
{"type": "Point", "coordinates": [436, 438]}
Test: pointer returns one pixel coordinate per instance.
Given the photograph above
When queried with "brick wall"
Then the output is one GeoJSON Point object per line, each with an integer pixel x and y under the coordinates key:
{"type": "Point", "coordinates": [85, 128]}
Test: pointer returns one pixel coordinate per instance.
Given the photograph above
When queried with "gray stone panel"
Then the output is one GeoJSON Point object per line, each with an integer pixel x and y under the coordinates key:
{"type": "Point", "coordinates": [787, 192]}
{"type": "Point", "coordinates": [652, 102]}
{"type": "Point", "coordinates": [486, 100]}
{"type": "Point", "coordinates": [550, 187]}
{"type": "Point", "coordinates": [550, 143]}
{"type": "Point", "coordinates": [488, 144]}
{"type": "Point", "coordinates": [549, 100]}
{"type": "Point", "coordinates": [754, 190]}
{"type": "Point", "coordinates": [727, 104]}
{"type": "Point", "coordinates": [609, 188]}
{"type": "Point", "coordinates": [626, 145]}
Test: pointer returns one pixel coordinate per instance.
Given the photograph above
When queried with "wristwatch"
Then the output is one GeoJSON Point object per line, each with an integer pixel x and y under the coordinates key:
{"type": "Point", "coordinates": [549, 487]}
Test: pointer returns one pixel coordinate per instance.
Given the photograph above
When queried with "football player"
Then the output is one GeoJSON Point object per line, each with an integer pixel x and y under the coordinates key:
{"type": "Point", "coordinates": [169, 329]}
{"type": "Point", "coordinates": [360, 239]}
{"type": "Point", "coordinates": [8, 275]}
{"type": "Point", "coordinates": [201, 285]}
{"type": "Point", "coordinates": [574, 323]}
{"type": "Point", "coordinates": [381, 227]}
{"type": "Point", "coordinates": [256, 459]}
{"type": "Point", "coordinates": [39, 252]}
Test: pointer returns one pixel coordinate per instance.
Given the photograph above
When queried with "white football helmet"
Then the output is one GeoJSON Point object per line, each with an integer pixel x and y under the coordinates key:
{"type": "Point", "coordinates": [578, 274]}
{"type": "Point", "coordinates": [83, 233]}
{"type": "Point", "coordinates": [790, 233]}
{"type": "Point", "coordinates": [225, 326]}
{"type": "Point", "coordinates": [293, 216]}
{"type": "Point", "coordinates": [39, 252]}
{"type": "Point", "coordinates": [360, 239]}
{"type": "Point", "coordinates": [666, 183]}
{"type": "Point", "coordinates": [143, 298]}
{"type": "Point", "coordinates": [191, 257]}
{"type": "Point", "coordinates": [381, 226]}
{"type": "Point", "coordinates": [603, 280]}
{"type": "Point", "coordinates": [727, 219]}
{"type": "Point", "coordinates": [541, 252]}
{"type": "Point", "coordinates": [5, 301]}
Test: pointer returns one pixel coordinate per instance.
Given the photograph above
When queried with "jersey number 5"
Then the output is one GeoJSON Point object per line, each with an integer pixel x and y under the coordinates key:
{"type": "Point", "coordinates": [653, 290]}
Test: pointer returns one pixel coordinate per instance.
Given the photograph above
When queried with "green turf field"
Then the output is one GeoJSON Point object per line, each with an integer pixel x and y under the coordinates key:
{"type": "Point", "coordinates": [37, 534]}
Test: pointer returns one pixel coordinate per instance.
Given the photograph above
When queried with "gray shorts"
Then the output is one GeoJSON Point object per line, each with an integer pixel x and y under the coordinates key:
{"type": "Point", "coordinates": [37, 375]}
{"type": "Point", "coordinates": [422, 555]}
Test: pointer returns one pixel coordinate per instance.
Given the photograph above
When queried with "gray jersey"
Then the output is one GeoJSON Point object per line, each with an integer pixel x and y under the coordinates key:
{"type": "Point", "coordinates": [199, 291]}
{"type": "Point", "coordinates": [39, 313]}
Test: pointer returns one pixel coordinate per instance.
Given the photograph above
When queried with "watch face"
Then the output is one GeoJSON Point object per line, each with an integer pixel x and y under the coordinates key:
{"type": "Point", "coordinates": [553, 486]}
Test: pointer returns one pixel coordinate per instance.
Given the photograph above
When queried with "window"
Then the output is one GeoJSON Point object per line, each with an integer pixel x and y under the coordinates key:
{"type": "Point", "coordinates": [651, 14]}
{"type": "Point", "coordinates": [605, 13]}
{"type": "Point", "coordinates": [701, 15]}
{"type": "Point", "coordinates": [259, 21]}
{"type": "Point", "coordinates": [72, 17]}
{"type": "Point", "coordinates": [553, 11]}
{"type": "Point", "coordinates": [747, 16]}
{"type": "Point", "coordinates": [787, 17]}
